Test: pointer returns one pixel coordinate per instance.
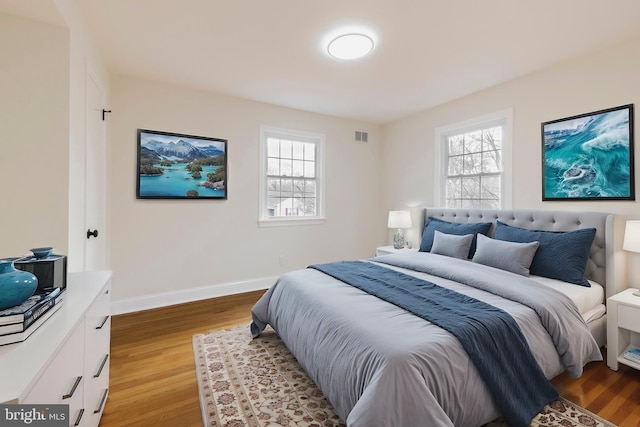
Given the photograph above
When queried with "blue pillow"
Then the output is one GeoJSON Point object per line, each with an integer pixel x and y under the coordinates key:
{"type": "Point", "coordinates": [459, 229]}
{"type": "Point", "coordinates": [561, 255]}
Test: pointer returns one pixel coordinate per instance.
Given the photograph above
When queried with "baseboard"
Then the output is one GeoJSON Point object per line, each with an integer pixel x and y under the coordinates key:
{"type": "Point", "coordinates": [165, 299]}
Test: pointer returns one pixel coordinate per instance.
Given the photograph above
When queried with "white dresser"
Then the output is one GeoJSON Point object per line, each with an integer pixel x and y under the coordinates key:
{"type": "Point", "coordinates": [65, 361]}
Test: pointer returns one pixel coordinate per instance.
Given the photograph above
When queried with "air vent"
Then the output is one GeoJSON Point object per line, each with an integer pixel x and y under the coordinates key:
{"type": "Point", "coordinates": [362, 136]}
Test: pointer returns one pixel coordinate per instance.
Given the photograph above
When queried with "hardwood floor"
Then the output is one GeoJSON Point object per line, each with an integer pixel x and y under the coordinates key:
{"type": "Point", "coordinates": [153, 380]}
{"type": "Point", "coordinates": [615, 396]}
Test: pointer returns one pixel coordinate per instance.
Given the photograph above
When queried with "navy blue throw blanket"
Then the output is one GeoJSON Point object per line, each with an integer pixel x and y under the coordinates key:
{"type": "Point", "coordinates": [489, 335]}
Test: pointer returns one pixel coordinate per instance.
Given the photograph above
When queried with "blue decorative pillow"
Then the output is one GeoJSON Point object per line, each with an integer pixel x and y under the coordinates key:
{"type": "Point", "coordinates": [561, 255]}
{"type": "Point", "coordinates": [459, 229]}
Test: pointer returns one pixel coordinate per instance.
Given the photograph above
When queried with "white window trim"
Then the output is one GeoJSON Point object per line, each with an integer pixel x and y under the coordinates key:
{"type": "Point", "coordinates": [263, 219]}
{"type": "Point", "coordinates": [502, 117]}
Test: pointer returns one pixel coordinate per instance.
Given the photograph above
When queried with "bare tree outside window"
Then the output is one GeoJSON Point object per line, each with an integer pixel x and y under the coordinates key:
{"type": "Point", "coordinates": [291, 178]}
{"type": "Point", "coordinates": [474, 169]}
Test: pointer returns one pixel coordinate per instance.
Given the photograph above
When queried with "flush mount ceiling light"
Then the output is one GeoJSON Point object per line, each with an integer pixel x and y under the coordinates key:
{"type": "Point", "coordinates": [350, 46]}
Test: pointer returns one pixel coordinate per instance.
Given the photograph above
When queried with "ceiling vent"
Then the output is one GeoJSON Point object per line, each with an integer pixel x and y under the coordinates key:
{"type": "Point", "coordinates": [362, 136]}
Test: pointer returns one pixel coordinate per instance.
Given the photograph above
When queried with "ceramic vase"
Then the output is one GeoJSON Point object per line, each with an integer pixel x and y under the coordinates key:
{"type": "Point", "coordinates": [15, 285]}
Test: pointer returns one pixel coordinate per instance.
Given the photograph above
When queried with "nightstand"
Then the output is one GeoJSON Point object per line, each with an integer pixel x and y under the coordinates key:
{"type": "Point", "coordinates": [386, 250]}
{"type": "Point", "coordinates": [623, 327]}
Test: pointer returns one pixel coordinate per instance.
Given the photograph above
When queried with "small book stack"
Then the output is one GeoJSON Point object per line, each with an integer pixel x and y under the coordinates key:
{"type": "Point", "coordinates": [632, 353]}
{"type": "Point", "coordinates": [17, 323]}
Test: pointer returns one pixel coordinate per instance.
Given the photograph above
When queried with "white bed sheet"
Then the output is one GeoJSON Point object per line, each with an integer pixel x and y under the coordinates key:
{"type": "Point", "coordinates": [590, 301]}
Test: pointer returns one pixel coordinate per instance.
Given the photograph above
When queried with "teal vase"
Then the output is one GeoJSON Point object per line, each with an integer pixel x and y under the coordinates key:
{"type": "Point", "coordinates": [15, 285]}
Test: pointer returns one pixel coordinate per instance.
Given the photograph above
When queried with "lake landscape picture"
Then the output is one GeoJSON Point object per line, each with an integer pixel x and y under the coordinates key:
{"type": "Point", "coordinates": [176, 166]}
{"type": "Point", "coordinates": [589, 156]}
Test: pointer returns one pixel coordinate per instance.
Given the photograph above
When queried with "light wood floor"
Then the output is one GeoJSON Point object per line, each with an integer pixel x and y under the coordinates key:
{"type": "Point", "coordinates": [153, 380]}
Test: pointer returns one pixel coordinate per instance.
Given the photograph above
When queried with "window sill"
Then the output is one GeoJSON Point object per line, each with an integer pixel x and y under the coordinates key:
{"type": "Point", "coordinates": [288, 222]}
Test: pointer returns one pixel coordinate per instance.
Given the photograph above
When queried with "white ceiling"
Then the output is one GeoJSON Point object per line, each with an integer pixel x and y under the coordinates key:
{"type": "Point", "coordinates": [39, 10]}
{"type": "Point", "coordinates": [428, 51]}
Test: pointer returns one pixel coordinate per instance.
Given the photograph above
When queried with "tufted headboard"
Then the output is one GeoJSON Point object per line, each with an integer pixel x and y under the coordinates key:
{"type": "Point", "coordinates": [600, 266]}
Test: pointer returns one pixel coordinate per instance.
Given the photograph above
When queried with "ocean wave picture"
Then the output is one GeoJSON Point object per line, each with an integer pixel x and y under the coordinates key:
{"type": "Point", "coordinates": [589, 156]}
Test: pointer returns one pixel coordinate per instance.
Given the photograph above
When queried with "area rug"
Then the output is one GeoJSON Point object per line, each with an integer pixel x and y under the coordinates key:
{"type": "Point", "coordinates": [258, 383]}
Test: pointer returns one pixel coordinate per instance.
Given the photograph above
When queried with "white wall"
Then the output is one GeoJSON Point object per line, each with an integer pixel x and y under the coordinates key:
{"type": "Point", "coordinates": [600, 80]}
{"type": "Point", "coordinates": [42, 120]}
{"type": "Point", "coordinates": [84, 58]}
{"type": "Point", "coordinates": [192, 249]}
{"type": "Point", "coordinates": [162, 250]}
{"type": "Point", "coordinates": [34, 124]}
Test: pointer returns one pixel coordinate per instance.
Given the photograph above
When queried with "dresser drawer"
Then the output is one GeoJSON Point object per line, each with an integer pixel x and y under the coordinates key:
{"type": "Point", "coordinates": [100, 311]}
{"type": "Point", "coordinates": [97, 358]}
{"type": "Point", "coordinates": [63, 380]}
{"type": "Point", "coordinates": [629, 317]}
{"type": "Point", "coordinates": [98, 327]}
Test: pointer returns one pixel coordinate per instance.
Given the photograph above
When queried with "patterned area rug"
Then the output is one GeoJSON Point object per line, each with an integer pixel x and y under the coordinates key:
{"type": "Point", "coordinates": [258, 383]}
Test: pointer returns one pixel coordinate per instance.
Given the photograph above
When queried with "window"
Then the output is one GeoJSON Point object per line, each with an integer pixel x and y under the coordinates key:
{"type": "Point", "coordinates": [291, 180]}
{"type": "Point", "coordinates": [473, 163]}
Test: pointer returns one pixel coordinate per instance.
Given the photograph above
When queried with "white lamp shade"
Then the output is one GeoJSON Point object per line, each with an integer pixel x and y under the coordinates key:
{"type": "Point", "coordinates": [399, 219]}
{"type": "Point", "coordinates": [632, 236]}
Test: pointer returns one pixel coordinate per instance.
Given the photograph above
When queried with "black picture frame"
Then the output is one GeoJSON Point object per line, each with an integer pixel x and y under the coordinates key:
{"type": "Point", "coordinates": [589, 156]}
{"type": "Point", "coordinates": [180, 166]}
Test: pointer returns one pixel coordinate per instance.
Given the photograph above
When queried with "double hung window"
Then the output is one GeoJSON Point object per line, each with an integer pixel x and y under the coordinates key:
{"type": "Point", "coordinates": [474, 167]}
{"type": "Point", "coordinates": [291, 187]}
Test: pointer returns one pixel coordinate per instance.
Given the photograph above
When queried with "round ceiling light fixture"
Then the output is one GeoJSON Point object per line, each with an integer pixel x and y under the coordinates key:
{"type": "Point", "coordinates": [350, 46]}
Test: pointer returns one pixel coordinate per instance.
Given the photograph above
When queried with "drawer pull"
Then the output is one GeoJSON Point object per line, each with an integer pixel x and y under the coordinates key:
{"type": "Point", "coordinates": [73, 389]}
{"type": "Point", "coordinates": [103, 322]}
{"type": "Point", "coordinates": [104, 397]}
{"type": "Point", "coordinates": [80, 414]}
{"type": "Point", "coordinates": [104, 361]}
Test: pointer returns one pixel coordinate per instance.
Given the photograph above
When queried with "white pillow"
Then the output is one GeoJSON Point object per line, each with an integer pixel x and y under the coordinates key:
{"type": "Point", "coordinates": [509, 256]}
{"type": "Point", "coordinates": [451, 244]}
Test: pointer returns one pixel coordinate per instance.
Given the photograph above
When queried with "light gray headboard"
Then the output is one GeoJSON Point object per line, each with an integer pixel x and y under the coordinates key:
{"type": "Point", "coordinates": [600, 265]}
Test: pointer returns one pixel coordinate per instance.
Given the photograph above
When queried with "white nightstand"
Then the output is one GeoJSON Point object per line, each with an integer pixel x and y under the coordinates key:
{"type": "Point", "coordinates": [386, 250]}
{"type": "Point", "coordinates": [623, 327]}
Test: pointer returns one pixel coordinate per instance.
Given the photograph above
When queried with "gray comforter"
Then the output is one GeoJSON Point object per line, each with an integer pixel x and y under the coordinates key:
{"type": "Point", "coordinates": [382, 366]}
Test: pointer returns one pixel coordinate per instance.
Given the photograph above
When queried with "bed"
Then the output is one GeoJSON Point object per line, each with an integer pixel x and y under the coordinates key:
{"type": "Point", "coordinates": [382, 365]}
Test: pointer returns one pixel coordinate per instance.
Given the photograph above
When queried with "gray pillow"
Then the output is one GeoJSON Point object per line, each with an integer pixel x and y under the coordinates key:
{"type": "Point", "coordinates": [509, 256]}
{"type": "Point", "coordinates": [451, 245]}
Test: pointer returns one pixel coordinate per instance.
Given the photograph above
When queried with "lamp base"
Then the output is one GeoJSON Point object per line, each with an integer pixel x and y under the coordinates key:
{"type": "Point", "coordinates": [398, 239]}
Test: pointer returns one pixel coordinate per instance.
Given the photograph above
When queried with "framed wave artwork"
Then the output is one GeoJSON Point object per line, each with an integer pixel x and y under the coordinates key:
{"type": "Point", "coordinates": [589, 156]}
{"type": "Point", "coordinates": [178, 166]}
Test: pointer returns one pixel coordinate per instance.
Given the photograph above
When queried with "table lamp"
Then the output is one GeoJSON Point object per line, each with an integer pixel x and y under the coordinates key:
{"type": "Point", "coordinates": [399, 220]}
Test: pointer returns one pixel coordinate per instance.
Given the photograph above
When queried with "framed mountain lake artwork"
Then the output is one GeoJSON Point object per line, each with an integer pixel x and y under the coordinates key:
{"type": "Point", "coordinates": [589, 157]}
{"type": "Point", "coordinates": [177, 166]}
